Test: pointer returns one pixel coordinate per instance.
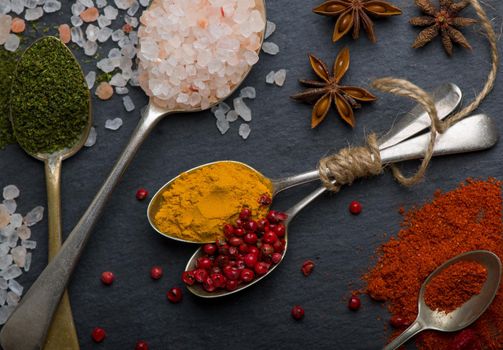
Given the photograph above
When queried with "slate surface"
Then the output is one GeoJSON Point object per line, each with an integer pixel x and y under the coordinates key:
{"type": "Point", "coordinates": [281, 143]}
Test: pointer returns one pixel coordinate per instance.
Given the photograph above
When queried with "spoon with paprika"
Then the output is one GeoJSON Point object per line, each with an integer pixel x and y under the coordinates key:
{"type": "Point", "coordinates": [464, 315]}
{"type": "Point", "coordinates": [474, 133]}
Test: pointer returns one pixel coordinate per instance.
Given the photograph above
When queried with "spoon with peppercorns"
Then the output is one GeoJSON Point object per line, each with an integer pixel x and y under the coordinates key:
{"type": "Point", "coordinates": [465, 314]}
{"type": "Point", "coordinates": [252, 249]}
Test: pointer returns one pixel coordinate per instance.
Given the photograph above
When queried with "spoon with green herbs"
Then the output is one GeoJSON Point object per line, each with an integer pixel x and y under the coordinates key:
{"type": "Point", "coordinates": [51, 120]}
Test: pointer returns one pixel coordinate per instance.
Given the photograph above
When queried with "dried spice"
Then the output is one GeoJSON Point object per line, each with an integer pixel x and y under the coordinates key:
{"type": "Point", "coordinates": [443, 21]}
{"type": "Point", "coordinates": [354, 14]}
{"type": "Point", "coordinates": [50, 99]}
{"type": "Point", "coordinates": [467, 218]}
{"type": "Point", "coordinates": [7, 68]}
{"type": "Point", "coordinates": [324, 92]}
{"type": "Point", "coordinates": [454, 286]}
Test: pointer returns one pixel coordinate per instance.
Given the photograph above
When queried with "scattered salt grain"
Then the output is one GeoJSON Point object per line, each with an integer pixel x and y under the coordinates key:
{"type": "Point", "coordinates": [280, 77]}
{"type": "Point", "coordinates": [269, 79]}
{"type": "Point", "coordinates": [5, 6]}
{"type": "Point", "coordinates": [10, 192]}
{"type": "Point", "coordinates": [12, 299]}
{"type": "Point", "coordinates": [269, 29]}
{"type": "Point", "coordinates": [128, 103]}
{"type": "Point", "coordinates": [7, 231]}
{"type": "Point", "coordinates": [15, 287]}
{"type": "Point", "coordinates": [11, 205]}
{"type": "Point", "coordinates": [242, 109]}
{"type": "Point", "coordinates": [104, 91]}
{"type": "Point", "coordinates": [244, 131]}
{"type": "Point", "coordinates": [144, 3]}
{"type": "Point", "coordinates": [17, 6]}
{"type": "Point", "coordinates": [31, 4]}
{"type": "Point", "coordinates": [27, 263]}
{"type": "Point", "coordinates": [222, 125]}
{"type": "Point", "coordinates": [118, 80]}
{"type": "Point", "coordinates": [51, 6]}
{"type": "Point", "coordinates": [123, 4]}
{"type": "Point", "coordinates": [5, 312]}
{"type": "Point", "coordinates": [12, 42]}
{"type": "Point", "coordinates": [19, 255]}
{"type": "Point", "coordinates": [34, 216]}
{"type": "Point", "coordinates": [248, 92]}
{"type": "Point", "coordinates": [90, 14]}
{"type": "Point", "coordinates": [33, 14]}
{"type": "Point", "coordinates": [90, 79]}
{"type": "Point", "coordinates": [3, 296]}
{"type": "Point", "coordinates": [92, 32]}
{"type": "Point", "coordinates": [91, 139]}
{"type": "Point", "coordinates": [104, 34]}
{"type": "Point", "coordinates": [86, 3]}
{"type": "Point", "coordinates": [4, 216]}
{"type": "Point", "coordinates": [121, 90]}
{"type": "Point", "coordinates": [231, 116]}
{"type": "Point", "coordinates": [12, 239]}
{"type": "Point", "coordinates": [118, 35]}
{"type": "Point", "coordinates": [270, 48]}
{"type": "Point", "coordinates": [77, 36]}
{"type": "Point", "coordinates": [77, 8]}
{"type": "Point", "coordinates": [3, 284]}
{"type": "Point", "coordinates": [64, 33]}
{"type": "Point", "coordinates": [29, 244]}
{"type": "Point", "coordinates": [11, 272]}
{"type": "Point", "coordinates": [24, 232]}
{"type": "Point", "coordinates": [76, 21]}
{"type": "Point", "coordinates": [135, 6]}
{"type": "Point", "coordinates": [5, 261]}
{"type": "Point", "coordinates": [103, 21]}
{"type": "Point", "coordinates": [4, 249]}
{"type": "Point", "coordinates": [110, 12]}
{"type": "Point", "coordinates": [90, 48]}
{"type": "Point", "coordinates": [18, 25]}
{"type": "Point", "coordinates": [101, 3]}
{"type": "Point", "coordinates": [113, 124]}
{"type": "Point", "coordinates": [16, 220]}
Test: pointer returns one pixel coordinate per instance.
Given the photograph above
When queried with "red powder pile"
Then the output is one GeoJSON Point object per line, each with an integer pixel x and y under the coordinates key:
{"type": "Point", "coordinates": [467, 218]}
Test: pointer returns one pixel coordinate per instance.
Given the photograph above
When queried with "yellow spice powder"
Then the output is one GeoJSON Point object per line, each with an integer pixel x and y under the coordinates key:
{"type": "Point", "coordinates": [197, 205]}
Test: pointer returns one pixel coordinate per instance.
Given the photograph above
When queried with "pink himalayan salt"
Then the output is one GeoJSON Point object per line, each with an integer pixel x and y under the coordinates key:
{"type": "Point", "coordinates": [104, 91]}
{"type": "Point", "coordinates": [89, 15]}
{"type": "Point", "coordinates": [64, 33]}
{"type": "Point", "coordinates": [18, 25]}
{"type": "Point", "coordinates": [194, 52]}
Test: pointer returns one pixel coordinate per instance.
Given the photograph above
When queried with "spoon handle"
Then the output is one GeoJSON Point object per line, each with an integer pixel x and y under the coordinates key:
{"type": "Point", "coordinates": [38, 305]}
{"type": "Point", "coordinates": [413, 329]}
{"type": "Point", "coordinates": [62, 333]}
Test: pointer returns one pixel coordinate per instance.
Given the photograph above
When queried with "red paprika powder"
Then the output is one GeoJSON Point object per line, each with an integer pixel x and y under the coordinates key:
{"type": "Point", "coordinates": [467, 218]}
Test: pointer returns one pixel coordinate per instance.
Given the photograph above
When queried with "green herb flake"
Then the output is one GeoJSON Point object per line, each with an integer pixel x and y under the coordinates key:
{"type": "Point", "coordinates": [8, 62]}
{"type": "Point", "coordinates": [50, 99]}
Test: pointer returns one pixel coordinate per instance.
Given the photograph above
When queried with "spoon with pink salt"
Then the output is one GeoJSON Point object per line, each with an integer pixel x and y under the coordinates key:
{"type": "Point", "coordinates": [192, 56]}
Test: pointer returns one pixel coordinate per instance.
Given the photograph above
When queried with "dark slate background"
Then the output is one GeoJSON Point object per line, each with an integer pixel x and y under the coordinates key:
{"type": "Point", "coordinates": [281, 143]}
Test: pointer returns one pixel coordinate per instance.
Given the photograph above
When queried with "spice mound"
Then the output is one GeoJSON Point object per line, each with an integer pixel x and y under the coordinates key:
{"type": "Point", "coordinates": [464, 219]}
{"type": "Point", "coordinates": [249, 250]}
{"type": "Point", "coordinates": [197, 204]}
{"type": "Point", "coordinates": [7, 67]}
{"type": "Point", "coordinates": [194, 52]}
{"type": "Point", "coordinates": [454, 286]}
{"type": "Point", "coordinates": [50, 99]}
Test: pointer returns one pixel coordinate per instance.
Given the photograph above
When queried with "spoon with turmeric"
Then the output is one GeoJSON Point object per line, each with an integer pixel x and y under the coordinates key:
{"type": "Point", "coordinates": [193, 206]}
{"type": "Point", "coordinates": [474, 133]}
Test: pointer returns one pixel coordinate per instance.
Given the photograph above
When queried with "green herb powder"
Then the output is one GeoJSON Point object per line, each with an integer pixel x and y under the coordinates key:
{"type": "Point", "coordinates": [7, 67]}
{"type": "Point", "coordinates": [50, 98]}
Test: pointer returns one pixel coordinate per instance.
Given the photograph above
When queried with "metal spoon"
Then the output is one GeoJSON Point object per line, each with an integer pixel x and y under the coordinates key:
{"type": "Point", "coordinates": [474, 133]}
{"type": "Point", "coordinates": [62, 333]}
{"type": "Point", "coordinates": [447, 98]}
{"type": "Point", "coordinates": [467, 313]}
{"type": "Point", "coordinates": [39, 303]}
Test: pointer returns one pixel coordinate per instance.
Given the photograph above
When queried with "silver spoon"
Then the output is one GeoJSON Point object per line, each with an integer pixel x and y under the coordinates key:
{"type": "Point", "coordinates": [39, 303]}
{"type": "Point", "coordinates": [474, 133]}
{"type": "Point", "coordinates": [467, 313]}
{"type": "Point", "coordinates": [447, 98]}
{"type": "Point", "coordinates": [62, 333]}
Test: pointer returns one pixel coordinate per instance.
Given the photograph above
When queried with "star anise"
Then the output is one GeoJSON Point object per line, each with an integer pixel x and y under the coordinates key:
{"type": "Point", "coordinates": [442, 21]}
{"type": "Point", "coordinates": [354, 14]}
{"type": "Point", "coordinates": [324, 92]}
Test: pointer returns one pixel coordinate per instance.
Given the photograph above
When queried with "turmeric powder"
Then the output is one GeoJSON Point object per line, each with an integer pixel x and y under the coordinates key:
{"type": "Point", "coordinates": [196, 205]}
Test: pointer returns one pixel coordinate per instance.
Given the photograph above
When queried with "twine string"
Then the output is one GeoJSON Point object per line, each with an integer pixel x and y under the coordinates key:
{"type": "Point", "coordinates": [357, 162]}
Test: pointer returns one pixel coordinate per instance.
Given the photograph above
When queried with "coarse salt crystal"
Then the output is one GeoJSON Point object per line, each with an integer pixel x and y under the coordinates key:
{"type": "Point", "coordinates": [269, 29]}
{"type": "Point", "coordinates": [91, 139]}
{"type": "Point", "coordinates": [270, 48]}
{"type": "Point", "coordinates": [280, 77]}
{"type": "Point", "coordinates": [113, 124]}
{"type": "Point", "coordinates": [244, 131]}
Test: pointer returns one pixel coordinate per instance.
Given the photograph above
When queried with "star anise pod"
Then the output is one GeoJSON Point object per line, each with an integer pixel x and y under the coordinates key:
{"type": "Point", "coordinates": [354, 14]}
{"type": "Point", "coordinates": [324, 92]}
{"type": "Point", "coordinates": [443, 21]}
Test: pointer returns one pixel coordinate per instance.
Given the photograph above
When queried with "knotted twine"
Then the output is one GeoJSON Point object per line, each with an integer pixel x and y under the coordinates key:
{"type": "Point", "coordinates": [352, 163]}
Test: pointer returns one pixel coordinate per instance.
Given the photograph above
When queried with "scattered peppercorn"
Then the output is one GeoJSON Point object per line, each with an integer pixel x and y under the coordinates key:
{"type": "Point", "coordinates": [141, 345]}
{"type": "Point", "coordinates": [398, 321]}
{"type": "Point", "coordinates": [175, 295]}
{"type": "Point", "coordinates": [98, 334]}
{"type": "Point", "coordinates": [141, 194]}
{"type": "Point", "coordinates": [107, 278]}
{"type": "Point", "coordinates": [354, 303]}
{"type": "Point", "coordinates": [297, 312]}
{"type": "Point", "coordinates": [156, 272]}
{"type": "Point", "coordinates": [355, 208]}
{"type": "Point", "coordinates": [307, 267]}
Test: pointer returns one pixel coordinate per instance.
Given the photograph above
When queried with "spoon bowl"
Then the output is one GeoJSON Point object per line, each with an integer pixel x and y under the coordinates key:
{"type": "Point", "coordinates": [467, 313]}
